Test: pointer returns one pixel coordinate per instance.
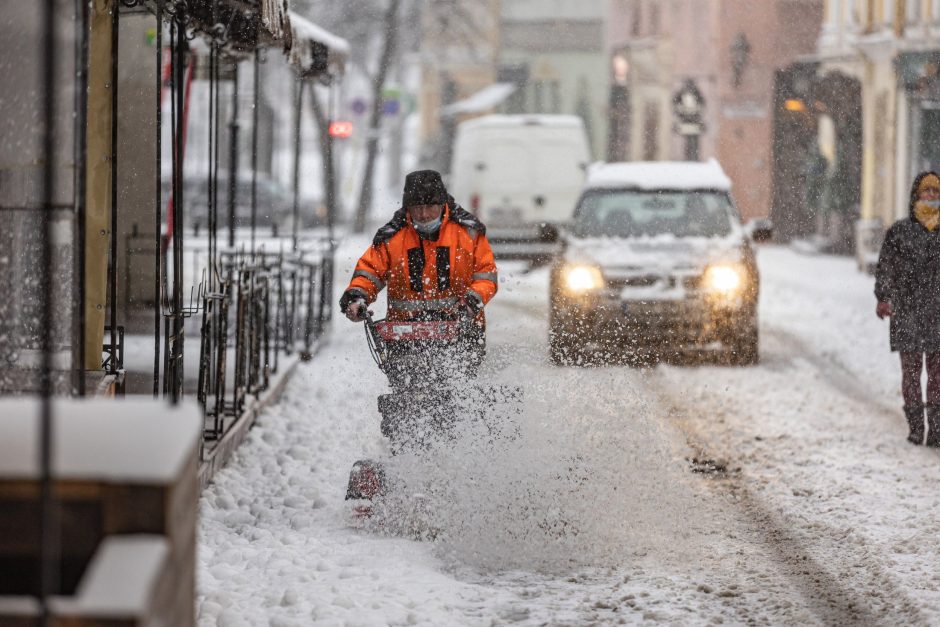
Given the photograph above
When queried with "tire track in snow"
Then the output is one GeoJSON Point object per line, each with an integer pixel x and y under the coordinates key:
{"type": "Point", "coordinates": [835, 374]}
{"type": "Point", "coordinates": [834, 596]}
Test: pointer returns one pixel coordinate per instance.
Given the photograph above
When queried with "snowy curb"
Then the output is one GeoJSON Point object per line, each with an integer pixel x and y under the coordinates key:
{"type": "Point", "coordinates": [214, 458]}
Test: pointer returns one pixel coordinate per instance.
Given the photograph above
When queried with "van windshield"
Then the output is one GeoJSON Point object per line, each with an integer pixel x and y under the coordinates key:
{"type": "Point", "coordinates": [635, 213]}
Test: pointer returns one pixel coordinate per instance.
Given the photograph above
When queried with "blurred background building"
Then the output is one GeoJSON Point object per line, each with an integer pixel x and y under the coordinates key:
{"type": "Point", "coordinates": [553, 53]}
{"type": "Point", "coordinates": [510, 56]}
{"type": "Point", "coordinates": [886, 55]}
{"type": "Point", "coordinates": [692, 79]}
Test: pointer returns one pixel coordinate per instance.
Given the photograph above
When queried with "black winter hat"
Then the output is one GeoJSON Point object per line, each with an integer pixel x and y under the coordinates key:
{"type": "Point", "coordinates": [423, 187]}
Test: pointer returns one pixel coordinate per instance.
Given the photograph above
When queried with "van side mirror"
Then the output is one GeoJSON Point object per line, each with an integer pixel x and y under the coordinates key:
{"type": "Point", "coordinates": [760, 229]}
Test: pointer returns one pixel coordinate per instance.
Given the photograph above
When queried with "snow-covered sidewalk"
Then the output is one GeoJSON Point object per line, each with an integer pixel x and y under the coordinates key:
{"type": "Point", "coordinates": [825, 515]}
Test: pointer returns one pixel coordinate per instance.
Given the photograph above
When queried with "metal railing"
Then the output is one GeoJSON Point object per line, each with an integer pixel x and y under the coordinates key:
{"type": "Point", "coordinates": [260, 306]}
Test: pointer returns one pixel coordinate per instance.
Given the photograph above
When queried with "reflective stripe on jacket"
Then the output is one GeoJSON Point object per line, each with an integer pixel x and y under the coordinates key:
{"type": "Point", "coordinates": [425, 276]}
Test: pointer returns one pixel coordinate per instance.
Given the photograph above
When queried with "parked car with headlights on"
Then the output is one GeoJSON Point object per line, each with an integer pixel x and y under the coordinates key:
{"type": "Point", "coordinates": [655, 257]}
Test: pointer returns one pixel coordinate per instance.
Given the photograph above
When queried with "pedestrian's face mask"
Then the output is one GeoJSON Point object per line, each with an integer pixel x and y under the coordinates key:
{"type": "Point", "coordinates": [927, 213]}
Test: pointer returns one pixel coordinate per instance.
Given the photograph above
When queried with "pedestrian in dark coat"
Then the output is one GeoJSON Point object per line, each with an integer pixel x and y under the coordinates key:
{"type": "Point", "coordinates": [907, 286]}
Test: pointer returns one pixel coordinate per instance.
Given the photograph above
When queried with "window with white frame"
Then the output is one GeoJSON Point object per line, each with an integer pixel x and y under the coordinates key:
{"type": "Point", "coordinates": [914, 11]}
{"type": "Point", "coordinates": [887, 16]}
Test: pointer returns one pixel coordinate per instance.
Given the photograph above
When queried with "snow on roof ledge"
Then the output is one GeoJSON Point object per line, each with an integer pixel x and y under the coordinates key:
{"type": "Point", "coordinates": [133, 441]}
{"type": "Point", "coordinates": [304, 31]}
{"type": "Point", "coordinates": [483, 100]}
{"type": "Point", "coordinates": [677, 175]}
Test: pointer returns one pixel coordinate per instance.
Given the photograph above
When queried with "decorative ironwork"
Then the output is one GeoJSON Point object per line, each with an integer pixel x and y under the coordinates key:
{"type": "Point", "coordinates": [114, 360]}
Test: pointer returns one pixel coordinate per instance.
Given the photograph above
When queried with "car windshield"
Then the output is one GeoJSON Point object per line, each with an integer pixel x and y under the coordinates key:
{"type": "Point", "coordinates": [634, 213]}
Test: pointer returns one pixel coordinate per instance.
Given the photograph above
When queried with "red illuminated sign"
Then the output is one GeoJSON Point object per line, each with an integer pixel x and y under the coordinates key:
{"type": "Point", "coordinates": [341, 129]}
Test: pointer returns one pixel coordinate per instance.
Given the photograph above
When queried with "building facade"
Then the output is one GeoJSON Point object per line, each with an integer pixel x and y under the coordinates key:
{"type": "Point", "coordinates": [887, 51]}
{"type": "Point", "coordinates": [554, 52]}
{"type": "Point", "coordinates": [458, 53]}
{"type": "Point", "coordinates": [696, 79]}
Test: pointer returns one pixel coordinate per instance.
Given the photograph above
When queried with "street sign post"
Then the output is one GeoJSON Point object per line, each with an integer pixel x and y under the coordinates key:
{"type": "Point", "coordinates": [687, 107]}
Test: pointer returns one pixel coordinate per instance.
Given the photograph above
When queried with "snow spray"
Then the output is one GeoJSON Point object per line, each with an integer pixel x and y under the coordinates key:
{"type": "Point", "coordinates": [547, 485]}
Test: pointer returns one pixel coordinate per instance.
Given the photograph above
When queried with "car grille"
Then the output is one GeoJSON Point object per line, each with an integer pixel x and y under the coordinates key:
{"type": "Point", "coordinates": [689, 282]}
{"type": "Point", "coordinates": [618, 283]}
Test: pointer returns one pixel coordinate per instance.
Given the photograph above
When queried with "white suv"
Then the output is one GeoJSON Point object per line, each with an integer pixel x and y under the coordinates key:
{"type": "Point", "coordinates": [655, 256]}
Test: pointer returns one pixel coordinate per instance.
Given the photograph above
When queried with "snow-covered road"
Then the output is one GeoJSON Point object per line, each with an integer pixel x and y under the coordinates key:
{"type": "Point", "coordinates": [823, 513]}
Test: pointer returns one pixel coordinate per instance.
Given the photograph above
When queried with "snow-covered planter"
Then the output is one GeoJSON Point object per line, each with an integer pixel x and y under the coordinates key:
{"type": "Point", "coordinates": [126, 489]}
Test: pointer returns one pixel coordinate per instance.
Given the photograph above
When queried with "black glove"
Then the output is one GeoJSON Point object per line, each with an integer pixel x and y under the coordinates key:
{"type": "Point", "coordinates": [353, 305]}
{"type": "Point", "coordinates": [471, 305]}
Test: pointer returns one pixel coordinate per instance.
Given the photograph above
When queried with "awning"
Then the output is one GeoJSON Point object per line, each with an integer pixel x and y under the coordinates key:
{"type": "Point", "coordinates": [316, 51]}
{"type": "Point", "coordinates": [248, 24]}
{"type": "Point", "coordinates": [275, 22]}
{"type": "Point", "coordinates": [480, 102]}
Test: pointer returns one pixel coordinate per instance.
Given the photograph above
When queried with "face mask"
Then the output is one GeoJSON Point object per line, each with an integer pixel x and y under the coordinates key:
{"type": "Point", "coordinates": [927, 213]}
{"type": "Point", "coordinates": [426, 228]}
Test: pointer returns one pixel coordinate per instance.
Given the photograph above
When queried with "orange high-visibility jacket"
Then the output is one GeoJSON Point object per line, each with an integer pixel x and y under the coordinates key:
{"type": "Point", "coordinates": [423, 276]}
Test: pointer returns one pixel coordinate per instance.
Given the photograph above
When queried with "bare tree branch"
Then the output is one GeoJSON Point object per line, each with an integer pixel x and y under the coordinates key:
{"type": "Point", "coordinates": [372, 143]}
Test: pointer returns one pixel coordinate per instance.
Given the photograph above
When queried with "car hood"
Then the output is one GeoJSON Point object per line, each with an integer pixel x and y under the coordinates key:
{"type": "Point", "coordinates": [661, 254]}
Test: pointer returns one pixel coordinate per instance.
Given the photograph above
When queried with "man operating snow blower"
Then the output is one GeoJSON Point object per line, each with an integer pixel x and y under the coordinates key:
{"type": "Point", "coordinates": [434, 257]}
{"type": "Point", "coordinates": [439, 269]}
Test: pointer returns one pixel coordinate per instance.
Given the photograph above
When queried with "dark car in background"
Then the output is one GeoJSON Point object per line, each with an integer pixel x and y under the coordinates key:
{"type": "Point", "coordinates": [655, 257]}
{"type": "Point", "coordinates": [275, 205]}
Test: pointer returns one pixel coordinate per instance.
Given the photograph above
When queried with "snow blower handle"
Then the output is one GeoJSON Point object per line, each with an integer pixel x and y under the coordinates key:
{"type": "Point", "coordinates": [377, 345]}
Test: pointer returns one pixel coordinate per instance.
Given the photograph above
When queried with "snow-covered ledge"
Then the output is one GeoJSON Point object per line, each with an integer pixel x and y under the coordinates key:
{"type": "Point", "coordinates": [122, 583]}
{"type": "Point", "coordinates": [131, 441]}
{"type": "Point", "coordinates": [122, 580]}
{"type": "Point", "coordinates": [125, 478]}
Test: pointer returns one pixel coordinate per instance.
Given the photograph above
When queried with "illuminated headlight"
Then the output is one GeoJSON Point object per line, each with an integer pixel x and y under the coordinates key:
{"type": "Point", "coordinates": [723, 279]}
{"type": "Point", "coordinates": [579, 279]}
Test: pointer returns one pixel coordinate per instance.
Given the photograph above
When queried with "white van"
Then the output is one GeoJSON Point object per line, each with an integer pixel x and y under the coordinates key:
{"type": "Point", "coordinates": [521, 175]}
